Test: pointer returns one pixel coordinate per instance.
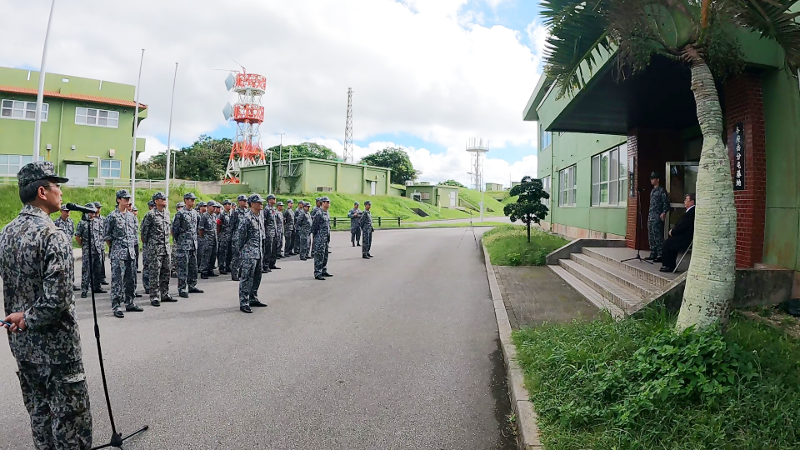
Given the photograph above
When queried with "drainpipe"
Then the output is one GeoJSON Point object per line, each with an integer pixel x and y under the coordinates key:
{"type": "Point", "coordinates": [97, 175]}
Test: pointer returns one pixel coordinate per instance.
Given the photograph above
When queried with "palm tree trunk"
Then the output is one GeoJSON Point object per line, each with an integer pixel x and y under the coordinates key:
{"type": "Point", "coordinates": [712, 270]}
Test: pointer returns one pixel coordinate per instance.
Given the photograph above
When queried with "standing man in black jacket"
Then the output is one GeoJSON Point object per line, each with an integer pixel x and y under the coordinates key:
{"type": "Point", "coordinates": [680, 236]}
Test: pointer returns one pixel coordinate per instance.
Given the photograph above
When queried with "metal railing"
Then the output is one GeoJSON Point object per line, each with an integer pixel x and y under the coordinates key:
{"type": "Point", "coordinates": [119, 182]}
{"type": "Point", "coordinates": [346, 221]}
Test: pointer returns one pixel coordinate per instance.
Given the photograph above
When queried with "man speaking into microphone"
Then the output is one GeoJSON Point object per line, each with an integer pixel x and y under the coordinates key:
{"type": "Point", "coordinates": [37, 271]}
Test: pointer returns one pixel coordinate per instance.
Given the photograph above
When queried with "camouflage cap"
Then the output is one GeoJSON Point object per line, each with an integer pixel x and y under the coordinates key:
{"type": "Point", "coordinates": [279, 204]}
{"type": "Point", "coordinates": [97, 205]}
{"type": "Point", "coordinates": [290, 201]}
{"type": "Point", "coordinates": [151, 204]}
{"type": "Point", "coordinates": [255, 198]}
{"type": "Point", "coordinates": [39, 170]}
{"type": "Point", "coordinates": [324, 199]}
{"type": "Point", "coordinates": [91, 205]}
{"type": "Point", "coordinates": [241, 198]}
{"type": "Point", "coordinates": [367, 202]}
{"type": "Point", "coordinates": [270, 197]}
{"type": "Point", "coordinates": [159, 196]}
{"type": "Point", "coordinates": [188, 196]}
{"type": "Point", "coordinates": [355, 203]}
{"type": "Point", "coordinates": [180, 205]}
{"type": "Point", "coordinates": [226, 202]}
{"type": "Point", "coordinates": [123, 193]}
{"type": "Point", "coordinates": [201, 204]}
{"type": "Point", "coordinates": [134, 208]}
{"type": "Point", "coordinates": [319, 199]}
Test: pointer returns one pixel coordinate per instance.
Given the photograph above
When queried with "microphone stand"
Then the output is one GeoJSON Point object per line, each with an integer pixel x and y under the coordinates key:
{"type": "Point", "coordinates": [116, 438]}
{"type": "Point", "coordinates": [638, 256]}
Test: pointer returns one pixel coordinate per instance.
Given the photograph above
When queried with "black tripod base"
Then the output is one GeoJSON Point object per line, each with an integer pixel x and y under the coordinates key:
{"type": "Point", "coordinates": [638, 257]}
{"type": "Point", "coordinates": [117, 440]}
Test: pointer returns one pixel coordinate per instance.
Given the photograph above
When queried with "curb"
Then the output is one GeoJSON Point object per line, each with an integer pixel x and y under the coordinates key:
{"type": "Point", "coordinates": [528, 437]}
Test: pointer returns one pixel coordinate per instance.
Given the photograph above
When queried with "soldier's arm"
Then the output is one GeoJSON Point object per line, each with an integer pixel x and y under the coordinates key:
{"type": "Point", "coordinates": [201, 229]}
{"type": "Point", "coordinates": [78, 233]}
{"type": "Point", "coordinates": [665, 201]}
{"type": "Point", "coordinates": [57, 289]}
{"type": "Point", "coordinates": [146, 224]}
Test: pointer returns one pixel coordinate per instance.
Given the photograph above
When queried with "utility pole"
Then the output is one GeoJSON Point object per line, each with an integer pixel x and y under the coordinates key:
{"type": "Point", "coordinates": [169, 133]}
{"type": "Point", "coordinates": [347, 153]}
{"type": "Point", "coordinates": [136, 131]}
{"type": "Point", "coordinates": [37, 127]}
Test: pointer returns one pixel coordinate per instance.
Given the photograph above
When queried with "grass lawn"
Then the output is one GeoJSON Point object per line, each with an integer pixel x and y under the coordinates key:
{"type": "Point", "coordinates": [636, 384]}
{"type": "Point", "coordinates": [508, 245]}
{"type": "Point", "coordinates": [492, 207]}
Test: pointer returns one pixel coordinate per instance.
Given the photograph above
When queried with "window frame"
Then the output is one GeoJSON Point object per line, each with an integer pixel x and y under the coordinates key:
{"type": "Point", "coordinates": [83, 114]}
{"type": "Point", "coordinates": [6, 164]}
{"type": "Point", "coordinates": [616, 178]}
{"type": "Point", "coordinates": [25, 109]}
{"type": "Point", "coordinates": [547, 187]}
{"type": "Point", "coordinates": [545, 138]}
{"type": "Point", "coordinates": [110, 169]}
{"type": "Point", "coordinates": [568, 186]}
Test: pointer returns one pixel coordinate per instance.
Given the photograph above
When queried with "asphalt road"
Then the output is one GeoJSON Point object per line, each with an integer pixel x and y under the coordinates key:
{"type": "Point", "coordinates": [397, 352]}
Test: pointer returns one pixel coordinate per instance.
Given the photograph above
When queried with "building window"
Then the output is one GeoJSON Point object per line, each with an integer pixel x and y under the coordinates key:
{"type": "Point", "coordinates": [110, 168]}
{"type": "Point", "coordinates": [10, 164]}
{"type": "Point", "coordinates": [96, 117]}
{"type": "Point", "coordinates": [15, 109]}
{"type": "Point", "coordinates": [546, 187]}
{"type": "Point", "coordinates": [568, 186]}
{"type": "Point", "coordinates": [610, 177]}
{"type": "Point", "coordinates": [545, 138]}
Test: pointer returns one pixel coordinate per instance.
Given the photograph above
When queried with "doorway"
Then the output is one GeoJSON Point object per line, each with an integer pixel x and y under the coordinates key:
{"type": "Point", "coordinates": [681, 180]}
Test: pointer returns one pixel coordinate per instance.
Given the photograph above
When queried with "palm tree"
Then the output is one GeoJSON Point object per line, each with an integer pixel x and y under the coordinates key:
{"type": "Point", "coordinates": [703, 35]}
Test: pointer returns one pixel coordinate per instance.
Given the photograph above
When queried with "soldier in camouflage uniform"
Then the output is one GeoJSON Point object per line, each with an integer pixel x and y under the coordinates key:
{"type": "Point", "coordinates": [279, 225]}
{"type": "Point", "coordinates": [184, 232]}
{"type": "Point", "coordinates": [321, 227]}
{"type": "Point", "coordinates": [297, 214]}
{"type": "Point", "coordinates": [119, 235]}
{"type": "Point", "coordinates": [365, 224]}
{"type": "Point", "coordinates": [134, 223]}
{"type": "Point", "coordinates": [355, 225]}
{"type": "Point", "coordinates": [145, 264]}
{"type": "Point", "coordinates": [225, 232]}
{"type": "Point", "coordinates": [37, 269]}
{"type": "Point", "coordinates": [303, 230]}
{"type": "Point", "coordinates": [288, 229]}
{"type": "Point", "coordinates": [659, 206]}
{"type": "Point", "coordinates": [65, 224]}
{"type": "Point", "coordinates": [236, 218]}
{"type": "Point", "coordinates": [88, 230]}
{"type": "Point", "coordinates": [270, 256]}
{"type": "Point", "coordinates": [101, 225]}
{"type": "Point", "coordinates": [155, 237]}
{"type": "Point", "coordinates": [250, 237]}
{"type": "Point", "coordinates": [174, 254]}
{"type": "Point", "coordinates": [208, 241]}
{"type": "Point", "coordinates": [201, 209]}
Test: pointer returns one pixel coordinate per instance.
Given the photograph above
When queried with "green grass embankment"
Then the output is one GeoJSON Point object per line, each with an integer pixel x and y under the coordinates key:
{"type": "Point", "coordinates": [508, 245]}
{"type": "Point", "coordinates": [491, 206]}
{"type": "Point", "coordinates": [637, 384]}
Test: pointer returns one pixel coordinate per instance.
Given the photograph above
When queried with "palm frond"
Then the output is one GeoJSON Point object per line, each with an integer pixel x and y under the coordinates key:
{"type": "Point", "coordinates": [578, 29]}
{"type": "Point", "coordinates": [773, 20]}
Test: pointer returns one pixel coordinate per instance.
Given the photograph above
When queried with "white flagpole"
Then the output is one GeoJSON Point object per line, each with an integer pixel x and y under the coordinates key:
{"type": "Point", "coordinates": [37, 127]}
{"type": "Point", "coordinates": [169, 133]}
{"type": "Point", "coordinates": [136, 131]}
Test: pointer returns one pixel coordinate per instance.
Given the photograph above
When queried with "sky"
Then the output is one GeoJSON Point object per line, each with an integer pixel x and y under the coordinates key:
{"type": "Point", "coordinates": [427, 74]}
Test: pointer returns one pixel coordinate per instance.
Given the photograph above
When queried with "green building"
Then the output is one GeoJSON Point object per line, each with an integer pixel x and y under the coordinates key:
{"type": "Point", "coordinates": [440, 196]}
{"type": "Point", "coordinates": [313, 175]}
{"type": "Point", "coordinates": [599, 146]}
{"type": "Point", "coordinates": [87, 126]}
{"type": "Point", "coordinates": [494, 187]}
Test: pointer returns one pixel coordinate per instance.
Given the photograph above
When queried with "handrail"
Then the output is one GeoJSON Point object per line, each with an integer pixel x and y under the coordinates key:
{"type": "Point", "coordinates": [346, 220]}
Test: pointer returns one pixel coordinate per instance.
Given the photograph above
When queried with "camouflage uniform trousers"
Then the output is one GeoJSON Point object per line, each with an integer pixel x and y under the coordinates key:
{"type": "Point", "coordinates": [97, 260]}
{"type": "Point", "coordinates": [249, 281]}
{"type": "Point", "coordinates": [366, 243]}
{"type": "Point", "coordinates": [103, 266]}
{"type": "Point", "coordinates": [187, 269]}
{"type": "Point", "coordinates": [158, 268]}
{"type": "Point", "coordinates": [279, 244]}
{"type": "Point", "coordinates": [355, 235]}
{"type": "Point", "coordinates": [296, 241]}
{"type": "Point", "coordinates": [201, 255]}
{"type": "Point", "coordinates": [123, 285]}
{"type": "Point", "coordinates": [320, 256]}
{"type": "Point", "coordinates": [145, 271]}
{"type": "Point", "coordinates": [236, 261]}
{"type": "Point", "coordinates": [269, 258]}
{"type": "Point", "coordinates": [174, 260]}
{"type": "Point", "coordinates": [209, 254]}
{"type": "Point", "coordinates": [223, 254]}
{"type": "Point", "coordinates": [291, 235]}
{"type": "Point", "coordinates": [655, 234]}
{"type": "Point", "coordinates": [57, 400]}
{"type": "Point", "coordinates": [136, 268]}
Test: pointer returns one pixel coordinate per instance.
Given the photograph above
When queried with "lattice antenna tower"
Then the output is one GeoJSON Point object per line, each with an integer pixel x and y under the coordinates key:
{"type": "Point", "coordinates": [347, 153]}
{"type": "Point", "coordinates": [477, 147]}
{"type": "Point", "coordinates": [248, 115]}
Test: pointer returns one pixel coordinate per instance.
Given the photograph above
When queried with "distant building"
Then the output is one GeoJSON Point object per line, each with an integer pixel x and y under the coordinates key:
{"type": "Point", "coordinates": [440, 196]}
{"type": "Point", "coordinates": [87, 126]}
{"type": "Point", "coordinates": [314, 175]}
{"type": "Point", "coordinates": [494, 187]}
{"type": "Point", "coordinates": [515, 183]}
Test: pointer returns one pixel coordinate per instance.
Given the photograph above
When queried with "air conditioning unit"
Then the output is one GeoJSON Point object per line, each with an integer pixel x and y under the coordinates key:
{"type": "Point", "coordinates": [324, 189]}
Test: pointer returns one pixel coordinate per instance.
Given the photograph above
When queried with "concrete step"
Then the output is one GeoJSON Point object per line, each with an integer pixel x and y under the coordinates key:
{"type": "Point", "coordinates": [625, 299]}
{"type": "Point", "coordinates": [590, 294]}
{"type": "Point", "coordinates": [618, 276]}
{"type": "Point", "coordinates": [653, 279]}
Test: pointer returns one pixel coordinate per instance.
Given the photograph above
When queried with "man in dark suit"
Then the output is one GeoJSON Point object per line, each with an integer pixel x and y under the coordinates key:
{"type": "Point", "coordinates": [680, 236]}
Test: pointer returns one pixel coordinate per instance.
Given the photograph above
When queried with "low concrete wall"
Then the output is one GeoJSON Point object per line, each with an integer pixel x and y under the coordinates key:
{"type": "Point", "coordinates": [578, 245]}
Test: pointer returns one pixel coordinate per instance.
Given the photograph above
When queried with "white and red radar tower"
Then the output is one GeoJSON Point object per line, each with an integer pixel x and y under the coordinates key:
{"type": "Point", "coordinates": [248, 115]}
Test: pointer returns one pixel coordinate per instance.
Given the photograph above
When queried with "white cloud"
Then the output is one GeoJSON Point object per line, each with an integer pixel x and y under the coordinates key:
{"type": "Point", "coordinates": [537, 34]}
{"type": "Point", "coordinates": [425, 68]}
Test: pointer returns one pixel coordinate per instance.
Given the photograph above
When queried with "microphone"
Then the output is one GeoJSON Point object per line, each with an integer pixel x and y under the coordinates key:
{"type": "Point", "coordinates": [79, 208]}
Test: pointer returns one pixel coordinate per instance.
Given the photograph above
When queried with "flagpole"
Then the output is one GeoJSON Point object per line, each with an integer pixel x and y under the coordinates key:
{"type": "Point", "coordinates": [136, 131]}
{"type": "Point", "coordinates": [169, 133]}
{"type": "Point", "coordinates": [37, 127]}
